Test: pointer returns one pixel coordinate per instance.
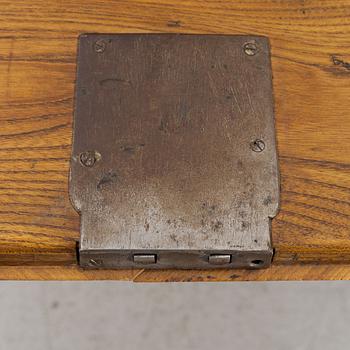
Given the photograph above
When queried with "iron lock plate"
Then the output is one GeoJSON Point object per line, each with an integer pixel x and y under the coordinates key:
{"type": "Point", "coordinates": [174, 159]}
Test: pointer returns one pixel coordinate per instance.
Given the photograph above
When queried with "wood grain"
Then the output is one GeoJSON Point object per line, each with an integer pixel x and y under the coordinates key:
{"type": "Point", "coordinates": [275, 273]}
{"type": "Point", "coordinates": [310, 42]}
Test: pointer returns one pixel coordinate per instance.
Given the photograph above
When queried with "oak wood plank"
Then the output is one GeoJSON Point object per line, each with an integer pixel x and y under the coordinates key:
{"type": "Point", "coordinates": [310, 42]}
{"type": "Point", "coordinates": [308, 272]}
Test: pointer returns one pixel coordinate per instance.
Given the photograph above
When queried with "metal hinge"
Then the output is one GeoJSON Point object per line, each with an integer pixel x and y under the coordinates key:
{"type": "Point", "coordinates": [174, 159]}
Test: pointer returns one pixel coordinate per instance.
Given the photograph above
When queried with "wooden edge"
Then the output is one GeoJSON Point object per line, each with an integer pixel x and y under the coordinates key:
{"type": "Point", "coordinates": [275, 273]}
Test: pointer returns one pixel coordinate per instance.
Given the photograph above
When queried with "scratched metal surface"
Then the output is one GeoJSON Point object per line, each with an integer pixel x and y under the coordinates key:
{"type": "Point", "coordinates": [170, 120]}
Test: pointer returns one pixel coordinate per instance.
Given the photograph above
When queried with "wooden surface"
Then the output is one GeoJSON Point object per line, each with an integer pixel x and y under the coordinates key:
{"type": "Point", "coordinates": [310, 43]}
{"type": "Point", "coordinates": [275, 273]}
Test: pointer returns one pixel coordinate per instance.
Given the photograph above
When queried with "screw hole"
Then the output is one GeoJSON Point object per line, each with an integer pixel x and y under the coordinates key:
{"type": "Point", "coordinates": [257, 262]}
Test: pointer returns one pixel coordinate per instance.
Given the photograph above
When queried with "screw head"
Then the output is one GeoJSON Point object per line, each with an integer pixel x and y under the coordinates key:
{"type": "Point", "coordinates": [257, 145]}
{"type": "Point", "coordinates": [250, 49]}
{"type": "Point", "coordinates": [100, 46]}
{"type": "Point", "coordinates": [89, 158]}
{"type": "Point", "coordinates": [95, 262]}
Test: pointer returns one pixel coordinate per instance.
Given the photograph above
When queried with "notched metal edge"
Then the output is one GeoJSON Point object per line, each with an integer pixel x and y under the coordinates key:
{"type": "Point", "coordinates": [169, 259]}
{"type": "Point", "coordinates": [275, 141]}
{"type": "Point", "coordinates": [71, 193]}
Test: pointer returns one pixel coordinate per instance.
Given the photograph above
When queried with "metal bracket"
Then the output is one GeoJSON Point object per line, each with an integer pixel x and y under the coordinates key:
{"type": "Point", "coordinates": [174, 159]}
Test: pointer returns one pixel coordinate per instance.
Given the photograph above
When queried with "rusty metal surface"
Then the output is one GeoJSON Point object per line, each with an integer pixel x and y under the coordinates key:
{"type": "Point", "coordinates": [174, 152]}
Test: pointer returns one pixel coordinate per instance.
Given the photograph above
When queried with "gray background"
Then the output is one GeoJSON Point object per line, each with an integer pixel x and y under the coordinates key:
{"type": "Point", "coordinates": [120, 315]}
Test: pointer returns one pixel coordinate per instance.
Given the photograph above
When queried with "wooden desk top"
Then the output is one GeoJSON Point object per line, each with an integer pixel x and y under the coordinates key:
{"type": "Point", "coordinates": [310, 42]}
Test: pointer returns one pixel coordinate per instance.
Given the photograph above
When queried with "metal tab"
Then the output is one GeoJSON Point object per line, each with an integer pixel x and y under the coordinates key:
{"type": "Point", "coordinates": [219, 259]}
{"type": "Point", "coordinates": [145, 259]}
{"type": "Point", "coordinates": [174, 159]}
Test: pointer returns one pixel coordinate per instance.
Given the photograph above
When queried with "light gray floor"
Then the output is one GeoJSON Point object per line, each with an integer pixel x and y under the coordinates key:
{"type": "Point", "coordinates": [117, 315]}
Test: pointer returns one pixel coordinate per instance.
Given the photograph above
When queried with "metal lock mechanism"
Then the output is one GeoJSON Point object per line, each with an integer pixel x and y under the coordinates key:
{"type": "Point", "coordinates": [174, 159]}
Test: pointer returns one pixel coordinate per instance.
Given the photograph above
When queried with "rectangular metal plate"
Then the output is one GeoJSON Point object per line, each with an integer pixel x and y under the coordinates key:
{"type": "Point", "coordinates": [174, 160]}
